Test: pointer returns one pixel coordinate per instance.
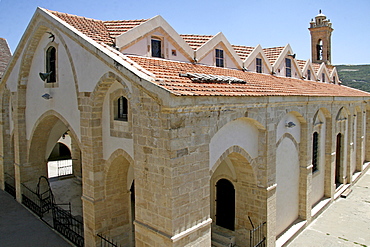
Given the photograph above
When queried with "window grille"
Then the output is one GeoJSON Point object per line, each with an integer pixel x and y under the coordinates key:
{"type": "Point", "coordinates": [122, 109]}
{"type": "Point", "coordinates": [315, 147]}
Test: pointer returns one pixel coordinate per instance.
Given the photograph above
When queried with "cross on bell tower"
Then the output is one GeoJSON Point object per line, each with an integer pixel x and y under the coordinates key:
{"type": "Point", "coordinates": [321, 30]}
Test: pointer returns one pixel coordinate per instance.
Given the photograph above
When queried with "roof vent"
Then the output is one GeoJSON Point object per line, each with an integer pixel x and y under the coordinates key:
{"type": "Point", "coordinates": [207, 78]}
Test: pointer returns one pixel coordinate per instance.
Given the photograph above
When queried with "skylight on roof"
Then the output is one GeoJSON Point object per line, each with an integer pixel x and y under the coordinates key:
{"type": "Point", "coordinates": [208, 78]}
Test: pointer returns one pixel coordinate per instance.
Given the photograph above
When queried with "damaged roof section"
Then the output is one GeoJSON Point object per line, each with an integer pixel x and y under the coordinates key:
{"type": "Point", "coordinates": [208, 78]}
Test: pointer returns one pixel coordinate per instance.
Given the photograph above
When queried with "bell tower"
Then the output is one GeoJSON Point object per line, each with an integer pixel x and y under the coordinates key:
{"type": "Point", "coordinates": [320, 30]}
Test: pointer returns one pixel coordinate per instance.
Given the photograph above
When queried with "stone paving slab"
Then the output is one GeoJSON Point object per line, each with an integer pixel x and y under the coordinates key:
{"type": "Point", "coordinates": [19, 227]}
{"type": "Point", "coordinates": [345, 223]}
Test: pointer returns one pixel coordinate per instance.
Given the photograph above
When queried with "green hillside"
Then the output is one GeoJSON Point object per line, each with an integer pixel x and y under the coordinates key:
{"type": "Point", "coordinates": [356, 76]}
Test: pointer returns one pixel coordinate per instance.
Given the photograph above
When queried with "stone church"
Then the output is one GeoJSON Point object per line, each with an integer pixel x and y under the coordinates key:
{"type": "Point", "coordinates": [181, 140]}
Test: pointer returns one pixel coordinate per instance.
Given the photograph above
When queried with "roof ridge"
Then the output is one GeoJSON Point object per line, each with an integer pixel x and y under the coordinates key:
{"type": "Point", "coordinates": [72, 15]}
{"type": "Point", "coordinates": [126, 20]}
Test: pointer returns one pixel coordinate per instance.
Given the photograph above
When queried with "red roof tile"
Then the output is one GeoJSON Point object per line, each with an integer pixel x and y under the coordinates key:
{"type": "Point", "coordinates": [167, 73]}
{"type": "Point", "coordinates": [116, 28]}
{"type": "Point", "coordinates": [100, 31]}
{"type": "Point", "coordinates": [301, 63]}
{"type": "Point", "coordinates": [273, 53]}
{"type": "Point", "coordinates": [196, 41]}
{"type": "Point", "coordinates": [243, 51]}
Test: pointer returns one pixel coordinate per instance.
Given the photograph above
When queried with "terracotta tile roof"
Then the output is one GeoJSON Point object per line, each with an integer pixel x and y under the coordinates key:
{"type": "Point", "coordinates": [273, 53]}
{"type": "Point", "coordinates": [316, 66]}
{"type": "Point", "coordinates": [301, 63]}
{"type": "Point", "coordinates": [168, 76]}
{"type": "Point", "coordinates": [5, 56]}
{"type": "Point", "coordinates": [100, 31]}
{"type": "Point", "coordinates": [116, 28]}
{"type": "Point", "coordinates": [243, 51]}
{"type": "Point", "coordinates": [196, 41]}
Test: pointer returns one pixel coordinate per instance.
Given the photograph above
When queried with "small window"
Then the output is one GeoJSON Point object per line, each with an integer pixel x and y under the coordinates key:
{"type": "Point", "coordinates": [334, 79]}
{"type": "Point", "coordinates": [323, 77]}
{"type": "Point", "coordinates": [288, 67]}
{"type": "Point", "coordinates": [319, 50]}
{"type": "Point", "coordinates": [51, 64]}
{"type": "Point", "coordinates": [156, 48]}
{"type": "Point", "coordinates": [308, 74]}
{"type": "Point", "coordinates": [315, 150]}
{"type": "Point", "coordinates": [219, 58]}
{"type": "Point", "coordinates": [258, 65]}
{"type": "Point", "coordinates": [122, 109]}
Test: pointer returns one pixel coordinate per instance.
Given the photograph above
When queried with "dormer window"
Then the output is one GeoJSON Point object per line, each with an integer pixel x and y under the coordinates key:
{"type": "Point", "coordinates": [51, 64]}
{"type": "Point", "coordinates": [288, 67]}
{"type": "Point", "coordinates": [323, 77]}
{"type": "Point", "coordinates": [334, 79]}
{"type": "Point", "coordinates": [219, 58]}
{"type": "Point", "coordinates": [258, 65]}
{"type": "Point", "coordinates": [156, 47]}
{"type": "Point", "coordinates": [121, 109]}
{"type": "Point", "coordinates": [309, 75]}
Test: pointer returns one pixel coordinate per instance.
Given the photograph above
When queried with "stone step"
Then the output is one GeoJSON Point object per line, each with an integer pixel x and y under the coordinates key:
{"type": "Point", "coordinates": [218, 243]}
{"type": "Point", "coordinates": [222, 239]}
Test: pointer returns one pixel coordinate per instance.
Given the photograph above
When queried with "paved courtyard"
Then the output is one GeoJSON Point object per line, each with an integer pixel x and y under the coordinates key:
{"type": "Point", "coordinates": [345, 223]}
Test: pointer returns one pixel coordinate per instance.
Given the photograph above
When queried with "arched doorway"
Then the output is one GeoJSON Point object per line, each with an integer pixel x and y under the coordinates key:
{"type": "Point", "coordinates": [225, 204]}
{"type": "Point", "coordinates": [338, 160]}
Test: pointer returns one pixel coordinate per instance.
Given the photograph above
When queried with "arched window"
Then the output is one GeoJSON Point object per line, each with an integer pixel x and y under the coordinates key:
{"type": "Point", "coordinates": [315, 151]}
{"type": "Point", "coordinates": [319, 50]}
{"type": "Point", "coordinates": [122, 109]}
{"type": "Point", "coordinates": [51, 64]}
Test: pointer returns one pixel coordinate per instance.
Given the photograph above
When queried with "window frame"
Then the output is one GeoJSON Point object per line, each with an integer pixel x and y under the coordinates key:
{"type": "Point", "coordinates": [219, 58]}
{"type": "Point", "coordinates": [121, 109]}
{"type": "Point", "coordinates": [288, 67]}
{"type": "Point", "coordinates": [315, 152]}
{"type": "Point", "coordinates": [156, 53]}
{"type": "Point", "coordinates": [51, 63]}
{"type": "Point", "coordinates": [258, 65]}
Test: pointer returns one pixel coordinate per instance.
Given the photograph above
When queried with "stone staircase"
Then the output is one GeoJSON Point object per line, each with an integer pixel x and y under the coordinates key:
{"type": "Point", "coordinates": [222, 238]}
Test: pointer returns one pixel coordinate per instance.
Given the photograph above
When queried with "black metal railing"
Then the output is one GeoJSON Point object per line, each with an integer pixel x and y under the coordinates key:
{"type": "Point", "coordinates": [106, 242]}
{"type": "Point", "coordinates": [63, 220]}
{"type": "Point", "coordinates": [39, 204]}
{"type": "Point", "coordinates": [10, 184]}
{"type": "Point", "coordinates": [257, 236]}
{"type": "Point", "coordinates": [68, 225]}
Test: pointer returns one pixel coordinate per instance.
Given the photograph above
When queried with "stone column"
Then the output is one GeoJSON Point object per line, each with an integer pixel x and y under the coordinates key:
{"type": "Point", "coordinates": [92, 169]}
{"type": "Point", "coordinates": [271, 215]}
{"type": "Point", "coordinates": [367, 137]}
{"type": "Point", "coordinates": [172, 193]}
{"type": "Point", "coordinates": [330, 146]}
{"type": "Point", "coordinates": [305, 173]}
{"type": "Point", "coordinates": [20, 141]}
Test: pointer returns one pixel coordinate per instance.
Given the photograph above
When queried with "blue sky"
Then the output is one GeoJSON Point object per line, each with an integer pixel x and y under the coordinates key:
{"type": "Point", "coordinates": [244, 22]}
